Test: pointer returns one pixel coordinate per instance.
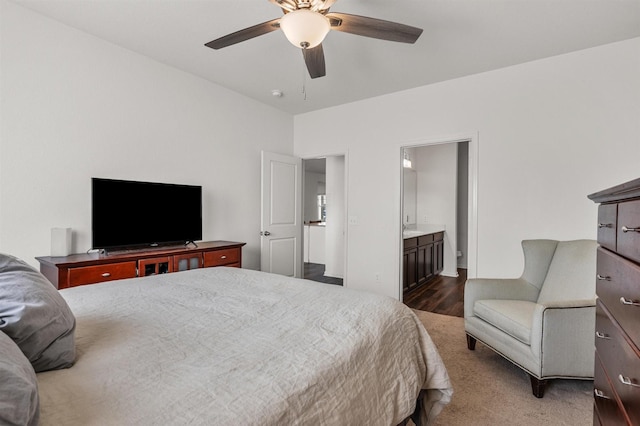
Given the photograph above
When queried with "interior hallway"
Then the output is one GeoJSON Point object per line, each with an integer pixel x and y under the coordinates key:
{"type": "Point", "coordinates": [315, 272]}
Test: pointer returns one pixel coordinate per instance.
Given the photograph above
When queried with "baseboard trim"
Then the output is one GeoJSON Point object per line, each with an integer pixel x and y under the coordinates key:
{"type": "Point", "coordinates": [333, 275]}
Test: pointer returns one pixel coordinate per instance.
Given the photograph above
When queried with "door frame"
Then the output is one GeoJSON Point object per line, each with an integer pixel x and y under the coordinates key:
{"type": "Point", "coordinates": [345, 154]}
{"type": "Point", "coordinates": [472, 198]}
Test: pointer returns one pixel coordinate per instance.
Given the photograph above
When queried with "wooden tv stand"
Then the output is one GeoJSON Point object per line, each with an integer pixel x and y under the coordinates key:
{"type": "Point", "coordinates": [90, 268]}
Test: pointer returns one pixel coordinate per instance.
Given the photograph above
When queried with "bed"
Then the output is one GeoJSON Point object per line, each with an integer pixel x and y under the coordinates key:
{"type": "Point", "coordinates": [229, 346]}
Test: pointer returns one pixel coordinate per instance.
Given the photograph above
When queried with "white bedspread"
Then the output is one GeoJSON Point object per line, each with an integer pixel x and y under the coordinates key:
{"type": "Point", "coordinates": [228, 346]}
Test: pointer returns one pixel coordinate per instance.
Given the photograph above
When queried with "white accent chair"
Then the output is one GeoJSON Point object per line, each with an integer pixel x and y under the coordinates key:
{"type": "Point", "coordinates": [544, 321]}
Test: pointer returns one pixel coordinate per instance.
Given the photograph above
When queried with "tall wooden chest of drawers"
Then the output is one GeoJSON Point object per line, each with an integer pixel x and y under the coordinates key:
{"type": "Point", "coordinates": [617, 340]}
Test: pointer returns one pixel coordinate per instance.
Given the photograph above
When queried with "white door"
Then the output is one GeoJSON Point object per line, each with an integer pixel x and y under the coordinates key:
{"type": "Point", "coordinates": [281, 227]}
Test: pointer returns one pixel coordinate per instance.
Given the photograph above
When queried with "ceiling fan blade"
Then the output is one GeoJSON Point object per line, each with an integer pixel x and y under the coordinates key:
{"type": "Point", "coordinates": [375, 28]}
{"type": "Point", "coordinates": [314, 58]}
{"type": "Point", "coordinates": [245, 34]}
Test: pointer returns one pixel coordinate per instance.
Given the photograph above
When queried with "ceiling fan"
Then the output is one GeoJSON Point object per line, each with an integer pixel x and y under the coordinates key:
{"type": "Point", "coordinates": [306, 23]}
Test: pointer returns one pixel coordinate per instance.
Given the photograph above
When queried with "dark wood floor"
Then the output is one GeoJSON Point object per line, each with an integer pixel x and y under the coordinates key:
{"type": "Point", "coordinates": [442, 295]}
{"type": "Point", "coordinates": [315, 272]}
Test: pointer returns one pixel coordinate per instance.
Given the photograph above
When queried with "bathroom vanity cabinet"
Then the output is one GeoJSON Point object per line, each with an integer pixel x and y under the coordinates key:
{"type": "Point", "coordinates": [423, 259]}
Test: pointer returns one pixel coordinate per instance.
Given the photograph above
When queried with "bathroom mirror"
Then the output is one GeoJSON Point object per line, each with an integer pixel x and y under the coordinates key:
{"type": "Point", "coordinates": [409, 204]}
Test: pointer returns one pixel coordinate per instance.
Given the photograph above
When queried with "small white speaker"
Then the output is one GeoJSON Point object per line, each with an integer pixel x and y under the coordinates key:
{"type": "Point", "coordinates": [60, 241]}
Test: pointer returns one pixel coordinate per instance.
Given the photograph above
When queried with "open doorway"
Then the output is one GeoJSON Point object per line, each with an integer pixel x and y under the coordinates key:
{"type": "Point", "coordinates": [438, 224]}
{"type": "Point", "coordinates": [324, 219]}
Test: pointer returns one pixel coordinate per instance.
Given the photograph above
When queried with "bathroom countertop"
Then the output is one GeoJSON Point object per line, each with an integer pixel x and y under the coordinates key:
{"type": "Point", "coordinates": [422, 230]}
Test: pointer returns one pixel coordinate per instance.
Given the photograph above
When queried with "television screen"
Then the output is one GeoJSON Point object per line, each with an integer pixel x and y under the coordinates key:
{"type": "Point", "coordinates": [144, 214]}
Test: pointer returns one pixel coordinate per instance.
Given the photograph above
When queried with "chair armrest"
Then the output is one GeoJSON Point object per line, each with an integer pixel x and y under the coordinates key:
{"type": "Point", "coordinates": [566, 304]}
{"type": "Point", "coordinates": [562, 335]}
{"type": "Point", "coordinates": [496, 288]}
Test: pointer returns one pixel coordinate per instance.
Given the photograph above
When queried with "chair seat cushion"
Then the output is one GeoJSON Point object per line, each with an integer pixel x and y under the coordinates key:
{"type": "Point", "coordinates": [513, 317]}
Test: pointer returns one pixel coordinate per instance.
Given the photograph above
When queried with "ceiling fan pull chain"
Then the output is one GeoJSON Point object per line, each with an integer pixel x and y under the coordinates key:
{"type": "Point", "coordinates": [304, 83]}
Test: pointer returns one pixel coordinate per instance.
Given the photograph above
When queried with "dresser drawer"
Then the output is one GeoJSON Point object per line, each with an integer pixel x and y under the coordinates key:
{"type": "Point", "coordinates": [607, 225]}
{"type": "Point", "coordinates": [604, 398]}
{"type": "Point", "coordinates": [99, 273]}
{"type": "Point", "coordinates": [618, 287]}
{"type": "Point", "coordinates": [628, 238]}
{"type": "Point", "coordinates": [622, 361]}
{"type": "Point", "coordinates": [222, 257]}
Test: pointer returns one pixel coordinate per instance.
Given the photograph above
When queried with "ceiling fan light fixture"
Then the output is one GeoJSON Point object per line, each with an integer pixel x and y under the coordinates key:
{"type": "Point", "coordinates": [304, 28]}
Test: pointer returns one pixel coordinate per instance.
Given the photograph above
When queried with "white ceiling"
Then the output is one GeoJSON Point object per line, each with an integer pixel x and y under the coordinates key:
{"type": "Point", "coordinates": [461, 37]}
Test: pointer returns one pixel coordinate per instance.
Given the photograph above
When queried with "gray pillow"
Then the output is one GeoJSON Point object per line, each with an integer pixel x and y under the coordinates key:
{"type": "Point", "coordinates": [19, 403]}
{"type": "Point", "coordinates": [35, 316]}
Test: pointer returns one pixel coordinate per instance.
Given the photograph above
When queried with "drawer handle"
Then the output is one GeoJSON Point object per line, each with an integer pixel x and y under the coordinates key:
{"type": "Point", "coordinates": [603, 277]}
{"type": "Point", "coordinates": [626, 229]}
{"type": "Point", "coordinates": [223, 257]}
{"type": "Point", "coordinates": [605, 225]}
{"type": "Point", "coordinates": [106, 274]}
{"type": "Point", "coordinates": [597, 392]}
{"type": "Point", "coordinates": [628, 302]}
{"type": "Point", "coordinates": [627, 381]}
{"type": "Point", "coordinates": [601, 335]}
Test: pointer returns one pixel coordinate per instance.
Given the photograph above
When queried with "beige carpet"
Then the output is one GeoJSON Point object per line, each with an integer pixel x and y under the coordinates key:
{"type": "Point", "coordinates": [489, 390]}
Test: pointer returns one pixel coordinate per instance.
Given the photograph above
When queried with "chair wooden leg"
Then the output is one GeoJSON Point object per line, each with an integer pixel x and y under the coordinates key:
{"type": "Point", "coordinates": [538, 386]}
{"type": "Point", "coordinates": [471, 343]}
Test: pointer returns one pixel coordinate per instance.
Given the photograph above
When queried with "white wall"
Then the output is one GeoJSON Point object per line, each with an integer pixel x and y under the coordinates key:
{"type": "Point", "coordinates": [73, 106]}
{"type": "Point", "coordinates": [549, 133]}
{"type": "Point", "coordinates": [437, 181]}
{"type": "Point", "coordinates": [334, 249]}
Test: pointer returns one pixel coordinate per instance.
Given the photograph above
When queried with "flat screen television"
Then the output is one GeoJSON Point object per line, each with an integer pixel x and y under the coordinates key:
{"type": "Point", "coordinates": [130, 214]}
